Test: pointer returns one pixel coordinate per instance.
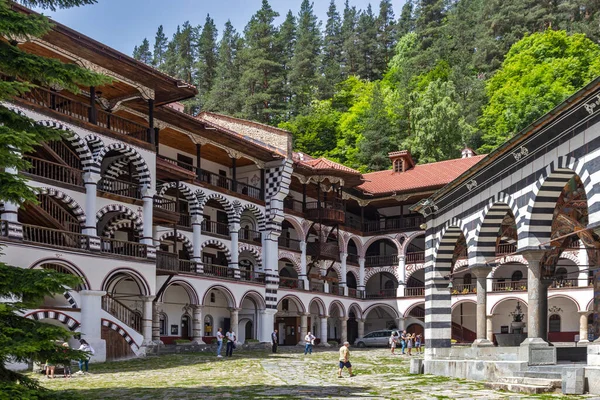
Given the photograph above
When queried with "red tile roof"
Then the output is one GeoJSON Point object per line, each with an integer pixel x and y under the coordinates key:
{"type": "Point", "coordinates": [421, 177]}
{"type": "Point", "coordinates": [325, 164]}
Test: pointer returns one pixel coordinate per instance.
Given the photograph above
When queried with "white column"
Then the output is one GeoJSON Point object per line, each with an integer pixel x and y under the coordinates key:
{"type": "Point", "coordinates": [534, 302]}
{"type": "Point", "coordinates": [156, 323]}
{"type": "Point", "coordinates": [344, 333]}
{"type": "Point", "coordinates": [481, 273]}
{"type": "Point", "coordinates": [90, 180]}
{"type": "Point", "coordinates": [401, 322]}
{"type": "Point", "coordinates": [324, 332]}
{"type": "Point", "coordinates": [197, 241]}
{"type": "Point", "coordinates": [583, 327]}
{"type": "Point", "coordinates": [361, 276]}
{"type": "Point", "coordinates": [234, 229]}
{"type": "Point", "coordinates": [197, 325]}
{"type": "Point", "coordinates": [147, 320]}
{"type": "Point", "coordinates": [302, 276]}
{"type": "Point", "coordinates": [361, 328]}
{"type": "Point", "coordinates": [267, 323]}
{"type": "Point", "coordinates": [148, 199]}
{"type": "Point", "coordinates": [343, 271]}
{"type": "Point", "coordinates": [234, 315]}
{"type": "Point", "coordinates": [401, 276]}
{"type": "Point", "coordinates": [490, 328]}
{"type": "Point", "coordinates": [303, 328]}
{"type": "Point", "coordinates": [91, 324]}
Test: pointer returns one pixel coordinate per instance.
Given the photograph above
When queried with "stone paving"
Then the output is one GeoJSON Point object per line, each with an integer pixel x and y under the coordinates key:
{"type": "Point", "coordinates": [259, 374]}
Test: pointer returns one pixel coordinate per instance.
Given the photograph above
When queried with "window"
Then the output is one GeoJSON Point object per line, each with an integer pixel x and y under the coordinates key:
{"type": "Point", "coordinates": [516, 276]}
{"type": "Point", "coordinates": [467, 279]}
{"type": "Point", "coordinates": [561, 273]}
{"type": "Point", "coordinates": [398, 165]}
{"type": "Point", "coordinates": [163, 323]}
{"type": "Point", "coordinates": [370, 335]}
{"type": "Point", "coordinates": [212, 298]}
{"type": "Point", "coordinates": [285, 305]}
{"type": "Point", "coordinates": [185, 161]}
{"type": "Point", "coordinates": [554, 323]}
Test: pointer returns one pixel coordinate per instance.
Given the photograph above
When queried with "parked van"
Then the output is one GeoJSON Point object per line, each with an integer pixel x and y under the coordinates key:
{"type": "Point", "coordinates": [376, 338]}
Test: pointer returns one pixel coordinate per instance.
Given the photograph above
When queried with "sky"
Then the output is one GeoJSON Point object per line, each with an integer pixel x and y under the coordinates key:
{"type": "Point", "coordinates": [123, 24]}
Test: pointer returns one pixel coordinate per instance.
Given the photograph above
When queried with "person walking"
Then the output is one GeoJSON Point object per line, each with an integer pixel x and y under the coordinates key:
{"type": "Point", "coordinates": [345, 359]}
{"type": "Point", "coordinates": [393, 341]}
{"type": "Point", "coordinates": [403, 340]}
{"type": "Point", "coordinates": [50, 367]}
{"type": "Point", "coordinates": [309, 341]}
{"type": "Point", "coordinates": [67, 361]}
{"type": "Point", "coordinates": [85, 361]}
{"type": "Point", "coordinates": [231, 338]}
{"type": "Point", "coordinates": [418, 341]}
{"type": "Point", "coordinates": [219, 342]}
{"type": "Point", "coordinates": [274, 341]}
{"type": "Point", "coordinates": [409, 343]}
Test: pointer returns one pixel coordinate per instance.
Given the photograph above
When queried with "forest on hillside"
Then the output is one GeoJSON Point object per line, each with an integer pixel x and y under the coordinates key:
{"type": "Point", "coordinates": [442, 75]}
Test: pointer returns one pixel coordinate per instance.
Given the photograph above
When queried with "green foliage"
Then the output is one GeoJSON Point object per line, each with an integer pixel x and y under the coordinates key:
{"type": "Point", "coordinates": [160, 47]}
{"type": "Point", "coordinates": [378, 134]}
{"type": "Point", "coordinates": [539, 72]}
{"type": "Point", "coordinates": [143, 53]}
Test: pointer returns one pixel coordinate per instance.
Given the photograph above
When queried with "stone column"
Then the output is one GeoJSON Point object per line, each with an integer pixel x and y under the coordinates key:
{"type": "Point", "coordinates": [197, 325]}
{"type": "Point", "coordinates": [481, 273]}
{"type": "Point", "coordinates": [303, 327]}
{"type": "Point", "coordinates": [147, 320]}
{"type": "Point", "coordinates": [324, 332]}
{"type": "Point", "coordinates": [234, 264]}
{"type": "Point", "coordinates": [361, 327]}
{"type": "Point", "coordinates": [234, 315]}
{"type": "Point", "coordinates": [361, 277]}
{"type": "Point", "coordinates": [91, 324]}
{"type": "Point", "coordinates": [343, 272]}
{"type": "Point", "coordinates": [490, 328]}
{"type": "Point", "coordinates": [267, 322]}
{"type": "Point", "coordinates": [401, 275]}
{"type": "Point", "coordinates": [302, 276]}
{"type": "Point", "coordinates": [156, 323]}
{"type": "Point", "coordinates": [197, 241]}
{"type": "Point", "coordinates": [344, 328]}
{"type": "Point", "coordinates": [401, 323]}
{"type": "Point", "coordinates": [583, 327]}
{"type": "Point", "coordinates": [90, 180]}
{"type": "Point", "coordinates": [544, 308]}
{"type": "Point", "coordinates": [148, 199]}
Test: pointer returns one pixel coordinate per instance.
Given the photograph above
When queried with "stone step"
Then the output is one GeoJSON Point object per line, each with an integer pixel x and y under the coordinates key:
{"type": "Point", "coordinates": [519, 387]}
{"type": "Point", "coordinates": [539, 374]}
{"type": "Point", "coordinates": [520, 380]}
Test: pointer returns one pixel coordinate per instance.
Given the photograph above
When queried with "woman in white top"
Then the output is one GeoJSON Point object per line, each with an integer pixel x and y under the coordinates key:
{"type": "Point", "coordinates": [309, 340]}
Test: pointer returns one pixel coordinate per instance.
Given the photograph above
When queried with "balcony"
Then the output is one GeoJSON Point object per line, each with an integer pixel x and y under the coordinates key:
{"type": "Point", "coordinates": [326, 211]}
{"type": "Point", "coordinates": [170, 263]}
{"type": "Point", "coordinates": [219, 271]}
{"type": "Point", "coordinates": [414, 291]}
{"type": "Point", "coordinates": [170, 169]}
{"type": "Point", "coordinates": [352, 259]}
{"type": "Point", "coordinates": [317, 287]}
{"type": "Point", "coordinates": [250, 236]}
{"type": "Point", "coordinates": [214, 228]}
{"type": "Point", "coordinates": [228, 184]}
{"type": "Point", "coordinates": [323, 250]}
{"type": "Point", "coordinates": [564, 283]}
{"type": "Point", "coordinates": [394, 224]}
{"type": "Point", "coordinates": [355, 293]}
{"type": "Point", "coordinates": [416, 257]}
{"type": "Point", "coordinates": [509, 286]}
{"type": "Point", "coordinates": [122, 312]}
{"type": "Point", "coordinates": [505, 249]}
{"type": "Point", "coordinates": [120, 188]}
{"type": "Point", "coordinates": [294, 206]}
{"type": "Point", "coordinates": [290, 244]}
{"type": "Point", "coordinates": [381, 261]}
{"type": "Point", "coordinates": [291, 283]}
{"type": "Point", "coordinates": [84, 112]}
{"type": "Point", "coordinates": [464, 288]}
{"type": "Point", "coordinates": [164, 211]}
{"type": "Point", "coordinates": [53, 171]}
{"type": "Point", "coordinates": [382, 294]}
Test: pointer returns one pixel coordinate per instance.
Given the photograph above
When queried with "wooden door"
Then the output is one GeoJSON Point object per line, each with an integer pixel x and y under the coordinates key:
{"type": "Point", "coordinates": [117, 347]}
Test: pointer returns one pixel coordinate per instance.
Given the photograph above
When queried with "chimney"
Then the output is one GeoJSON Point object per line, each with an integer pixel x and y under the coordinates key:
{"type": "Point", "coordinates": [467, 152]}
{"type": "Point", "coordinates": [401, 160]}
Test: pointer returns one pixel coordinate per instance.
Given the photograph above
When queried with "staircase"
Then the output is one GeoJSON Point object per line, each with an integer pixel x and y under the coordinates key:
{"type": "Point", "coordinates": [462, 334]}
{"type": "Point", "coordinates": [528, 382]}
{"type": "Point", "coordinates": [51, 214]}
{"type": "Point", "coordinates": [60, 153]}
{"type": "Point", "coordinates": [123, 313]}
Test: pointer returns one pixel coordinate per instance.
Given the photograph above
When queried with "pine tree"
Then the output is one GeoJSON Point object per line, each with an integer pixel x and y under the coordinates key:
{"type": "Point", "coordinates": [262, 74]}
{"type": "Point", "coordinates": [142, 52]}
{"type": "Point", "coordinates": [206, 65]}
{"type": "Point", "coordinates": [331, 64]}
{"type": "Point", "coordinates": [429, 20]}
{"type": "Point", "coordinates": [170, 62]}
{"type": "Point", "coordinates": [224, 96]}
{"type": "Point", "coordinates": [350, 54]}
{"type": "Point", "coordinates": [378, 134]}
{"type": "Point", "coordinates": [20, 289]}
{"type": "Point", "coordinates": [406, 22]}
{"type": "Point", "coordinates": [303, 73]}
{"type": "Point", "coordinates": [286, 43]}
{"type": "Point", "coordinates": [186, 54]}
{"type": "Point", "coordinates": [386, 38]}
{"type": "Point", "coordinates": [160, 47]}
{"type": "Point", "coordinates": [366, 44]}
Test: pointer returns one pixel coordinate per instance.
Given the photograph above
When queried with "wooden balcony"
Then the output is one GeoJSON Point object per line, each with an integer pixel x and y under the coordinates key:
{"type": "Point", "coordinates": [214, 228]}
{"type": "Point", "coordinates": [464, 288]}
{"type": "Point", "coordinates": [506, 285]}
{"type": "Point", "coordinates": [414, 291]}
{"type": "Point", "coordinates": [170, 264]}
{"type": "Point", "coordinates": [250, 236]}
{"type": "Point", "coordinates": [228, 185]}
{"type": "Point", "coordinates": [290, 244]}
{"type": "Point", "coordinates": [120, 188]}
{"type": "Point", "coordinates": [219, 271]}
{"type": "Point", "coordinates": [394, 224]}
{"type": "Point", "coordinates": [381, 261]}
{"type": "Point", "coordinates": [164, 211]}
{"type": "Point", "coordinates": [316, 287]}
{"type": "Point", "coordinates": [252, 276]}
{"type": "Point", "coordinates": [291, 283]}
{"type": "Point", "coordinates": [121, 312]}
{"type": "Point", "coordinates": [53, 172]}
{"type": "Point", "coordinates": [382, 294]}
{"type": "Point", "coordinates": [326, 212]}
{"type": "Point", "coordinates": [415, 257]}
{"type": "Point", "coordinates": [170, 169]}
{"type": "Point", "coordinates": [323, 250]}
{"type": "Point", "coordinates": [504, 249]}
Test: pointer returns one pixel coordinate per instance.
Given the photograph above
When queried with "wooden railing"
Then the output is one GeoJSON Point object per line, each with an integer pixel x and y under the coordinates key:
{"type": "Point", "coordinates": [251, 276]}
{"type": "Point", "coordinates": [352, 259]}
{"type": "Point", "coordinates": [62, 216]}
{"type": "Point", "coordinates": [250, 236]}
{"type": "Point", "coordinates": [355, 293]}
{"type": "Point", "coordinates": [221, 271]}
{"type": "Point", "coordinates": [165, 204]}
{"type": "Point", "coordinates": [177, 163]}
{"type": "Point", "coordinates": [394, 224]}
{"type": "Point", "coordinates": [291, 283]}
{"type": "Point", "coordinates": [55, 237]}
{"type": "Point", "coordinates": [506, 248]}
{"type": "Point", "coordinates": [381, 261]}
{"type": "Point", "coordinates": [123, 248]}
{"type": "Point", "coordinates": [290, 244]}
{"type": "Point", "coordinates": [123, 313]}
{"type": "Point", "coordinates": [564, 283]}
{"type": "Point", "coordinates": [414, 291]}
{"type": "Point", "coordinates": [65, 153]}
{"type": "Point", "coordinates": [415, 257]}
{"type": "Point", "coordinates": [171, 262]}
{"type": "Point", "coordinates": [120, 188]}
{"type": "Point", "coordinates": [293, 205]}
{"type": "Point", "coordinates": [329, 250]}
{"type": "Point", "coordinates": [326, 210]}
{"type": "Point", "coordinates": [316, 286]}
{"type": "Point", "coordinates": [83, 112]}
{"type": "Point", "coordinates": [54, 171]}
{"type": "Point", "coordinates": [215, 228]}
{"type": "Point", "coordinates": [508, 285]}
{"type": "Point", "coordinates": [382, 294]}
{"type": "Point", "coordinates": [462, 288]}
{"type": "Point", "coordinates": [248, 190]}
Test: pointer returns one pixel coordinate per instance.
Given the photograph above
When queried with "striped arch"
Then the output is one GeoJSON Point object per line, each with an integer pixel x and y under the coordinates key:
{"type": "Point", "coordinates": [353, 272]}
{"type": "Point", "coordinates": [181, 238]}
{"type": "Point", "coordinates": [380, 237]}
{"type": "Point", "coordinates": [340, 306]}
{"type": "Point", "coordinates": [71, 323]}
{"type": "Point", "coordinates": [128, 213]}
{"type": "Point", "coordinates": [219, 245]}
{"type": "Point", "coordinates": [446, 241]}
{"type": "Point", "coordinates": [79, 145]}
{"type": "Point", "coordinates": [258, 215]}
{"type": "Point", "coordinates": [231, 302]}
{"type": "Point", "coordinates": [292, 258]}
{"type": "Point", "coordinates": [231, 214]}
{"type": "Point", "coordinates": [72, 268]}
{"type": "Point", "coordinates": [508, 260]}
{"type": "Point", "coordinates": [569, 255]}
{"type": "Point", "coordinates": [187, 192]}
{"type": "Point", "coordinates": [355, 308]}
{"type": "Point", "coordinates": [356, 240]}
{"type": "Point", "coordinates": [132, 155]}
{"type": "Point", "coordinates": [114, 224]}
{"type": "Point", "coordinates": [94, 143]}
{"type": "Point", "coordinates": [255, 251]}
{"type": "Point", "coordinates": [486, 233]}
{"type": "Point", "coordinates": [409, 239]}
{"type": "Point", "coordinates": [535, 228]}
{"type": "Point", "coordinates": [189, 289]}
{"type": "Point", "coordinates": [67, 200]}
{"type": "Point", "coordinates": [119, 329]}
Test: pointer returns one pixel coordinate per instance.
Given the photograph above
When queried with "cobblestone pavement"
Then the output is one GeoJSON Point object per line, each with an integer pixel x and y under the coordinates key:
{"type": "Point", "coordinates": [259, 375]}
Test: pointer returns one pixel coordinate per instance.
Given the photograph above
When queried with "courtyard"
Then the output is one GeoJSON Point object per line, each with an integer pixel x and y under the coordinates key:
{"type": "Point", "coordinates": [260, 374]}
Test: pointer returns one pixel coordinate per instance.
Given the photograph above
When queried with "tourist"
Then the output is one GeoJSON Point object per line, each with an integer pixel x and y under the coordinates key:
{"type": "Point", "coordinates": [219, 342]}
{"type": "Point", "coordinates": [85, 361]}
{"type": "Point", "coordinates": [418, 341]}
{"type": "Point", "coordinates": [231, 338]}
{"type": "Point", "coordinates": [309, 341]}
{"type": "Point", "coordinates": [274, 341]}
{"type": "Point", "coordinates": [393, 341]}
{"type": "Point", "coordinates": [50, 367]}
{"type": "Point", "coordinates": [409, 343]}
{"type": "Point", "coordinates": [67, 361]}
{"type": "Point", "coordinates": [403, 340]}
{"type": "Point", "coordinates": [345, 359]}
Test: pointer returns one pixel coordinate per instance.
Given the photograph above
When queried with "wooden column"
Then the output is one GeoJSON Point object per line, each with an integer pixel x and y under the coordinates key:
{"type": "Point", "coordinates": [362, 218]}
{"type": "Point", "coordinates": [156, 138]}
{"type": "Point", "coordinates": [303, 197]}
{"type": "Point", "coordinates": [262, 184]}
{"type": "Point", "coordinates": [198, 161]}
{"type": "Point", "coordinates": [234, 174]}
{"type": "Point", "coordinates": [151, 121]}
{"type": "Point", "coordinates": [93, 116]}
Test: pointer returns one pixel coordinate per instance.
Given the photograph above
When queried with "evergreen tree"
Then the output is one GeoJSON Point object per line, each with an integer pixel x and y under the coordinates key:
{"type": "Point", "coordinates": [377, 135]}
{"type": "Point", "coordinates": [160, 47]}
{"type": "Point", "coordinates": [386, 38]}
{"type": "Point", "coordinates": [366, 44]}
{"type": "Point", "coordinates": [262, 75]}
{"type": "Point", "coordinates": [170, 63]}
{"type": "Point", "coordinates": [350, 55]}
{"type": "Point", "coordinates": [286, 43]}
{"type": "Point", "coordinates": [142, 52]}
{"type": "Point", "coordinates": [303, 71]}
{"type": "Point", "coordinates": [224, 96]}
{"type": "Point", "coordinates": [331, 69]}
{"type": "Point", "coordinates": [23, 339]}
{"type": "Point", "coordinates": [206, 64]}
{"type": "Point", "coordinates": [406, 22]}
{"type": "Point", "coordinates": [186, 52]}
{"type": "Point", "coordinates": [429, 20]}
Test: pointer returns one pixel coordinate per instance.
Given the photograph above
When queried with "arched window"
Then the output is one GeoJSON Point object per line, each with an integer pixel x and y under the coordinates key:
{"type": "Point", "coordinates": [212, 297]}
{"type": "Point", "coordinates": [285, 305]}
{"type": "Point", "coordinates": [561, 273]}
{"type": "Point", "coordinates": [467, 279]}
{"type": "Point", "coordinates": [163, 323]}
{"type": "Point", "coordinates": [554, 323]}
{"type": "Point", "coordinates": [208, 325]}
{"type": "Point", "coordinates": [516, 276]}
{"type": "Point", "coordinates": [246, 264]}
